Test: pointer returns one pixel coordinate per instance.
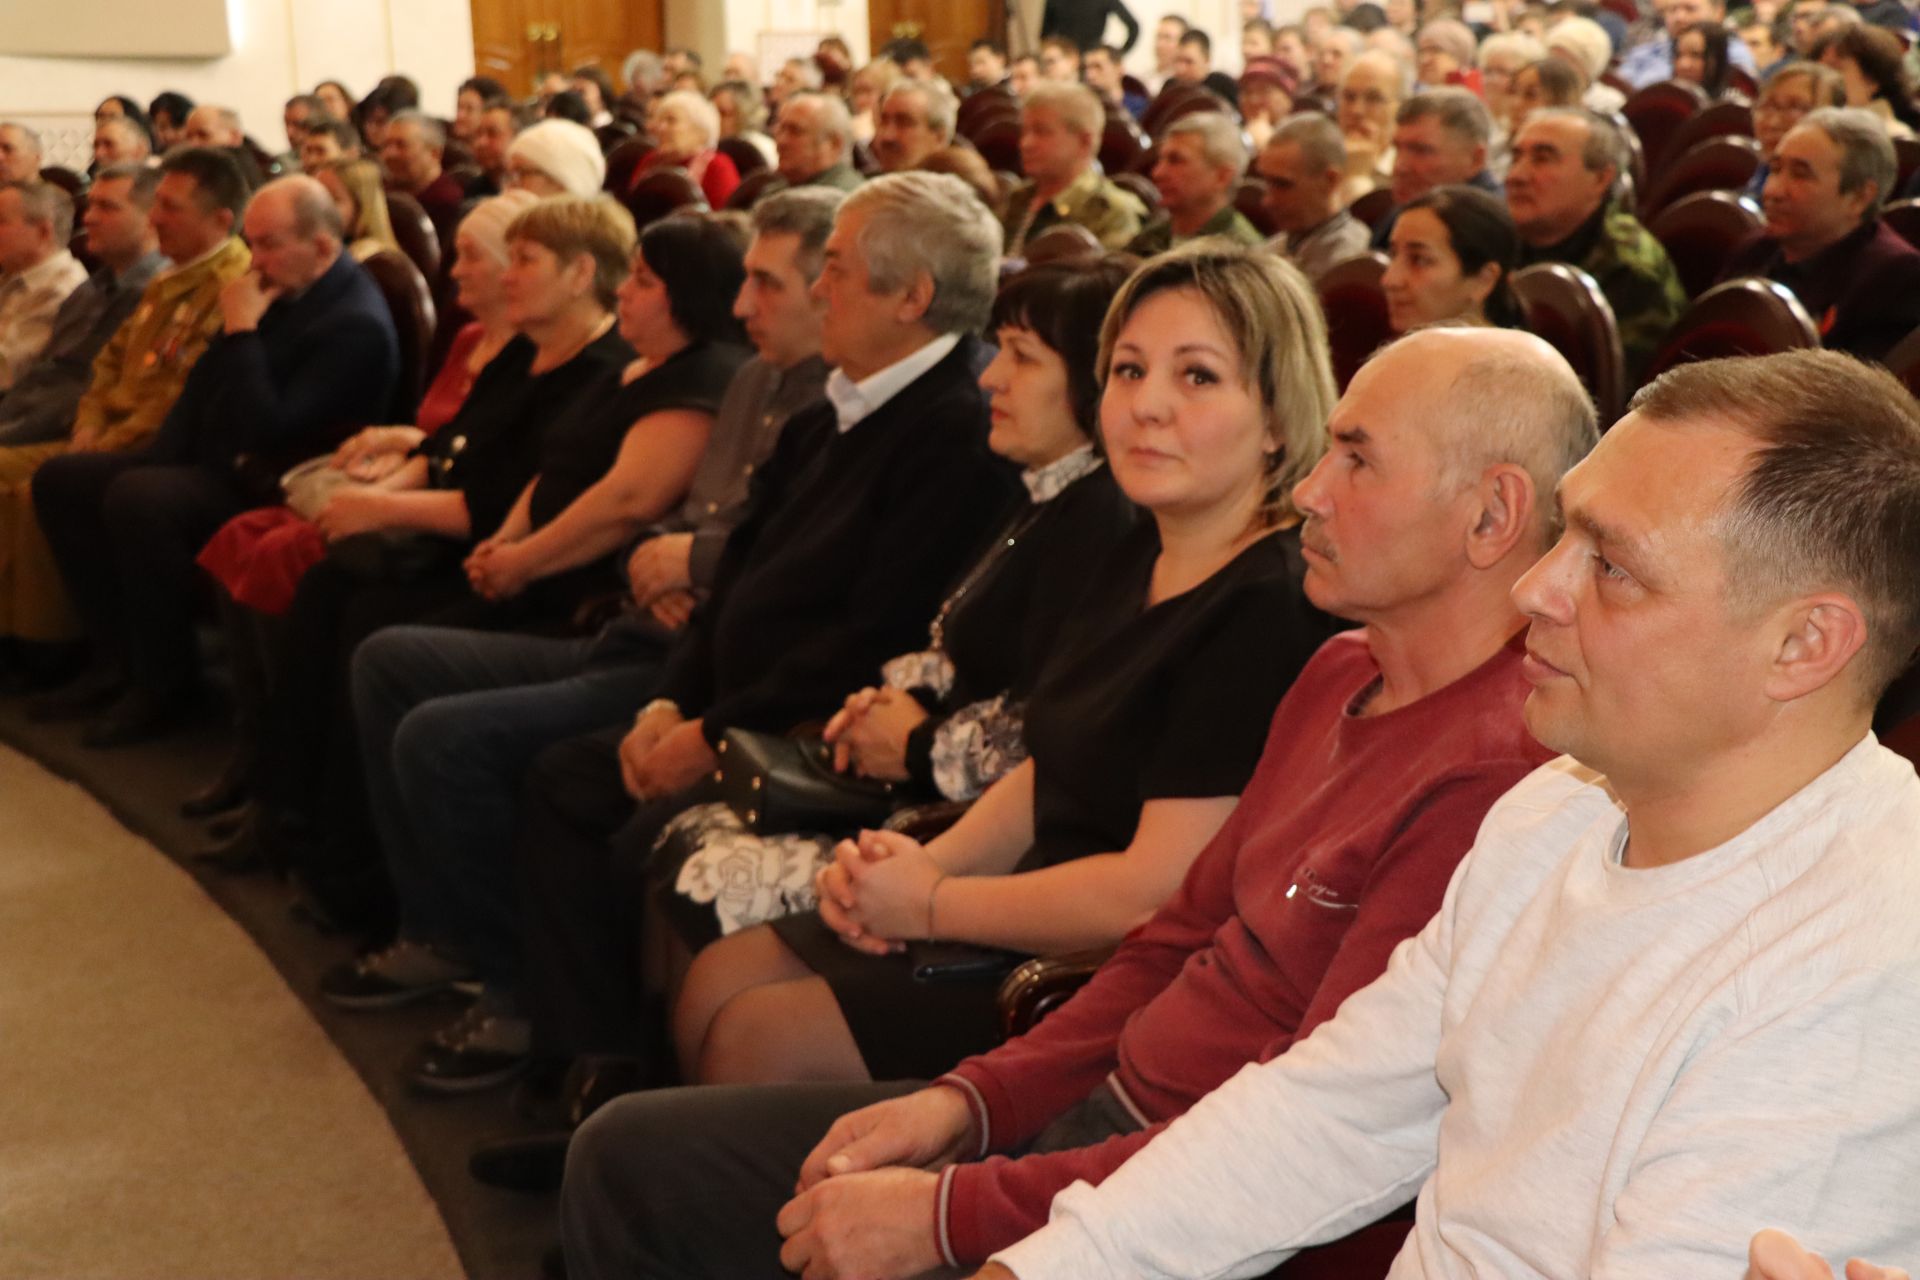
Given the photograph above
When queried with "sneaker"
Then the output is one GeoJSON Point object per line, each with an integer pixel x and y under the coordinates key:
{"type": "Point", "coordinates": [403, 973]}
{"type": "Point", "coordinates": [488, 1045]}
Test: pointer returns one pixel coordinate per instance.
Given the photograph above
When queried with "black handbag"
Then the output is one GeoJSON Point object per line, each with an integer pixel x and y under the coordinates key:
{"type": "Point", "coordinates": [778, 785]}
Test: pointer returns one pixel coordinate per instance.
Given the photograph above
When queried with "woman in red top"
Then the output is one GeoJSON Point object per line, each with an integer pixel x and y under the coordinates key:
{"type": "Point", "coordinates": [686, 127]}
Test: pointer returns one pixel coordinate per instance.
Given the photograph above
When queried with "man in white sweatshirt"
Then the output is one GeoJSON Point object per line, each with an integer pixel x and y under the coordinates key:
{"type": "Point", "coordinates": [1672, 996]}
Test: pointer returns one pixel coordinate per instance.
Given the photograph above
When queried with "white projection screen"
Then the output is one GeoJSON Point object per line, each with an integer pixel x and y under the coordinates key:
{"type": "Point", "coordinates": [115, 29]}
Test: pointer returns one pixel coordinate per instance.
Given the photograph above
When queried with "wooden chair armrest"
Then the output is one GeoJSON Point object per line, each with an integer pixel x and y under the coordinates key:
{"type": "Point", "coordinates": [1042, 985]}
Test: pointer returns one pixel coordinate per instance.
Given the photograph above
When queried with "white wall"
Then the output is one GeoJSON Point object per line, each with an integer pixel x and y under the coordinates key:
{"type": "Point", "coordinates": [718, 27]}
{"type": "Point", "coordinates": [280, 47]}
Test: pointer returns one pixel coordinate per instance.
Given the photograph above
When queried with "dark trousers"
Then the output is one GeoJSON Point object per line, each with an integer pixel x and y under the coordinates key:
{"type": "Point", "coordinates": [687, 1182]}
{"type": "Point", "coordinates": [449, 721]}
{"type": "Point", "coordinates": [125, 532]}
{"type": "Point", "coordinates": [581, 864]}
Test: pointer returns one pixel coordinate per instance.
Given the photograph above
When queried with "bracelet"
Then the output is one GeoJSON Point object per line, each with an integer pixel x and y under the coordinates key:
{"type": "Point", "coordinates": [657, 704]}
{"type": "Point", "coordinates": [933, 891]}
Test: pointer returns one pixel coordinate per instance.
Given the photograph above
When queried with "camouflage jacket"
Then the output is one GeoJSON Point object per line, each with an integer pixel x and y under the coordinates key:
{"type": "Point", "coordinates": [1229, 222]}
{"type": "Point", "coordinates": [1632, 270]}
{"type": "Point", "coordinates": [1112, 213]}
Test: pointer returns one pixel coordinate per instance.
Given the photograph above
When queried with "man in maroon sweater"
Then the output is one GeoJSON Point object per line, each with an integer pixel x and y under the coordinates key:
{"type": "Point", "coordinates": [1381, 761]}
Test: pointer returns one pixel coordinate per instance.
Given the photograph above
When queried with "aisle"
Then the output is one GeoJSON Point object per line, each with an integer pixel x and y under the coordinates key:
{"type": "Point", "coordinates": [167, 1107]}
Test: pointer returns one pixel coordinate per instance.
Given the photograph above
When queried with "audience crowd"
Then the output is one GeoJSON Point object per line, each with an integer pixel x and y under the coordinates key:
{"type": "Point", "coordinates": [1059, 673]}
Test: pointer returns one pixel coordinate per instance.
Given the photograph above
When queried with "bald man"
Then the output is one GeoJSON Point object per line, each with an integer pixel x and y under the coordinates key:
{"type": "Point", "coordinates": [306, 350]}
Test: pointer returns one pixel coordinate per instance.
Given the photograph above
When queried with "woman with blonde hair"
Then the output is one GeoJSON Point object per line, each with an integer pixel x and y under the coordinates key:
{"type": "Point", "coordinates": [1143, 726]}
{"type": "Point", "coordinates": [359, 193]}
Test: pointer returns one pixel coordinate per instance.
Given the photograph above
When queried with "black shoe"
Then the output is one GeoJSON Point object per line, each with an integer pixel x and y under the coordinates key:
{"type": "Point", "coordinates": [397, 975]}
{"type": "Point", "coordinates": [136, 718]}
{"type": "Point", "coordinates": [487, 1047]}
{"type": "Point", "coordinates": [223, 794]}
{"type": "Point", "coordinates": [92, 691]}
{"type": "Point", "coordinates": [533, 1164]}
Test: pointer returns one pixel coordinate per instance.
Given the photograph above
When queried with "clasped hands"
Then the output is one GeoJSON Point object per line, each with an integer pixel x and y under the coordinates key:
{"type": "Point", "coordinates": [660, 574]}
{"type": "Point", "coordinates": [498, 569]}
{"type": "Point", "coordinates": [663, 753]}
{"type": "Point", "coordinates": [869, 733]}
{"type": "Point", "coordinates": [864, 1205]}
{"type": "Point", "coordinates": [879, 891]}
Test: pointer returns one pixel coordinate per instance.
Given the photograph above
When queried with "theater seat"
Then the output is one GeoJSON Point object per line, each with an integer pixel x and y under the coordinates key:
{"type": "Point", "coordinates": [1656, 114]}
{"type": "Point", "coordinates": [995, 100]}
{"type": "Point", "coordinates": [1564, 306]}
{"type": "Point", "coordinates": [624, 159]}
{"type": "Point", "coordinates": [1173, 95]}
{"type": "Point", "coordinates": [755, 186]}
{"type": "Point", "coordinates": [1717, 164]}
{"type": "Point", "coordinates": [1745, 317]}
{"type": "Point", "coordinates": [1906, 155]}
{"type": "Point", "coordinates": [1250, 198]}
{"type": "Point", "coordinates": [1121, 143]}
{"type": "Point", "coordinates": [1356, 309]}
{"type": "Point", "coordinates": [1904, 217]}
{"type": "Point", "coordinates": [414, 232]}
{"type": "Point", "coordinates": [1064, 243]}
{"type": "Point", "coordinates": [411, 303]}
{"type": "Point", "coordinates": [663, 191]}
{"type": "Point", "coordinates": [1140, 185]}
{"type": "Point", "coordinates": [746, 157]}
{"type": "Point", "coordinates": [998, 142]}
{"type": "Point", "coordinates": [1373, 207]}
{"type": "Point", "coordinates": [1700, 232]}
{"type": "Point", "coordinates": [1727, 118]}
{"type": "Point", "coordinates": [613, 133]}
{"type": "Point", "coordinates": [1904, 361]}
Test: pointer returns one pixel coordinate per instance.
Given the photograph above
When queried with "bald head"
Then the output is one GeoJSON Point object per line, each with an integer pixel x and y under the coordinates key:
{"type": "Point", "coordinates": [295, 231]}
{"type": "Point", "coordinates": [211, 126]}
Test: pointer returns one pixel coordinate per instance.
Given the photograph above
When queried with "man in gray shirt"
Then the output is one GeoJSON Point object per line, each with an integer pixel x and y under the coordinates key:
{"type": "Point", "coordinates": [1305, 166]}
{"type": "Point", "coordinates": [449, 719]}
{"type": "Point", "coordinates": [39, 407]}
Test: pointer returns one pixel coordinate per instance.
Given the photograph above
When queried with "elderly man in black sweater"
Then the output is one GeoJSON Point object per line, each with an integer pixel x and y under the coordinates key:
{"type": "Point", "coordinates": [870, 505]}
{"type": "Point", "coordinates": [306, 351]}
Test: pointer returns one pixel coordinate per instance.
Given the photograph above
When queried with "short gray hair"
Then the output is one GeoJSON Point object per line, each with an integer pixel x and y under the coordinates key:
{"type": "Point", "coordinates": [1518, 43]}
{"type": "Point", "coordinates": [642, 65]}
{"type": "Point", "coordinates": [1604, 146]}
{"type": "Point", "coordinates": [1521, 409]}
{"type": "Point", "coordinates": [931, 222]}
{"type": "Point", "coordinates": [431, 131]}
{"type": "Point", "coordinates": [27, 136]}
{"type": "Point", "coordinates": [1321, 143]}
{"type": "Point", "coordinates": [1459, 111]}
{"type": "Point", "coordinates": [806, 212]}
{"type": "Point", "coordinates": [47, 205]}
{"type": "Point", "coordinates": [1221, 141]}
{"type": "Point", "coordinates": [704, 115]}
{"type": "Point", "coordinates": [1866, 152]}
{"type": "Point", "coordinates": [1077, 106]}
{"type": "Point", "coordinates": [145, 179]}
{"type": "Point", "coordinates": [132, 132]}
{"type": "Point", "coordinates": [834, 120]}
{"type": "Point", "coordinates": [942, 107]}
{"type": "Point", "coordinates": [809, 72]}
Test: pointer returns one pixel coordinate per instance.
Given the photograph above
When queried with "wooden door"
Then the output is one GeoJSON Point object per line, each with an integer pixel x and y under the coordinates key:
{"type": "Point", "coordinates": [948, 27]}
{"type": "Point", "coordinates": [519, 41]}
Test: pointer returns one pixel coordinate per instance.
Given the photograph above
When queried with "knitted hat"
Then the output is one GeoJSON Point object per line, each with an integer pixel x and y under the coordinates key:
{"type": "Point", "coordinates": [1449, 36]}
{"type": "Point", "coordinates": [564, 151]}
{"type": "Point", "coordinates": [1586, 42]}
{"type": "Point", "coordinates": [489, 220]}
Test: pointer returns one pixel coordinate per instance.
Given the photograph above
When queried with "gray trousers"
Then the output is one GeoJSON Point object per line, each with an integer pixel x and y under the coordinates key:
{"type": "Point", "coordinates": [684, 1183]}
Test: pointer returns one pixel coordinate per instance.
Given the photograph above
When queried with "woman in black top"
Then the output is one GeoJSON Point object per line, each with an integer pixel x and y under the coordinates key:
{"type": "Point", "coordinates": [1144, 725]}
{"type": "Point", "coordinates": [946, 722]}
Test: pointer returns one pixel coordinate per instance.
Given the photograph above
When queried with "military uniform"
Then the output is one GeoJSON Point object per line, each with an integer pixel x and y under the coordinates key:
{"type": "Point", "coordinates": [136, 379]}
{"type": "Point", "coordinates": [1111, 212]}
{"type": "Point", "coordinates": [1632, 270]}
{"type": "Point", "coordinates": [1229, 222]}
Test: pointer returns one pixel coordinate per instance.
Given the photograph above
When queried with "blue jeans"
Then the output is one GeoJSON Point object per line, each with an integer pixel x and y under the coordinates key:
{"type": "Point", "coordinates": [449, 720]}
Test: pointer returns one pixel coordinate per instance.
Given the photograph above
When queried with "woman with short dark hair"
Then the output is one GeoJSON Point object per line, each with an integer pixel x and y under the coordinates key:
{"type": "Point", "coordinates": [1452, 251]}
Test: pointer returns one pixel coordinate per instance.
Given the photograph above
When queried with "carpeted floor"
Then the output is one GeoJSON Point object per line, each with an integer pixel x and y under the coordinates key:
{"type": "Point", "coordinates": [170, 1107]}
{"type": "Point", "coordinates": [497, 1235]}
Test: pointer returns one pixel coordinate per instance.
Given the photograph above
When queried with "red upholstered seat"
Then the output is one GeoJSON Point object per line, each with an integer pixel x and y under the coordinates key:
{"type": "Point", "coordinates": [1906, 154]}
{"type": "Point", "coordinates": [998, 142]}
{"type": "Point", "coordinates": [1727, 118]}
{"type": "Point", "coordinates": [1356, 309]}
{"type": "Point", "coordinates": [1372, 207]}
{"type": "Point", "coordinates": [625, 159]}
{"type": "Point", "coordinates": [411, 303]}
{"type": "Point", "coordinates": [1904, 216]}
{"type": "Point", "coordinates": [1249, 197]}
{"type": "Point", "coordinates": [1564, 306]}
{"type": "Point", "coordinates": [1745, 317]}
{"type": "Point", "coordinates": [989, 101]}
{"type": "Point", "coordinates": [1174, 94]}
{"type": "Point", "coordinates": [1140, 185]}
{"type": "Point", "coordinates": [661, 192]}
{"type": "Point", "coordinates": [746, 157]}
{"type": "Point", "coordinates": [1064, 243]}
{"type": "Point", "coordinates": [1716, 164]}
{"type": "Point", "coordinates": [414, 232]}
{"type": "Point", "coordinates": [1700, 232]}
{"type": "Point", "coordinates": [1656, 114]}
{"type": "Point", "coordinates": [753, 186]}
{"type": "Point", "coordinates": [1121, 143]}
{"type": "Point", "coordinates": [1904, 361]}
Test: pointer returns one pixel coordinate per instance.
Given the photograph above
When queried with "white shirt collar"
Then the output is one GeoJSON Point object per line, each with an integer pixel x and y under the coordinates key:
{"type": "Point", "coordinates": [853, 401]}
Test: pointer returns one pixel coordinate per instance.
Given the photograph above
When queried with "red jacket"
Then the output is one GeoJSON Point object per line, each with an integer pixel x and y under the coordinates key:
{"type": "Point", "coordinates": [1341, 846]}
